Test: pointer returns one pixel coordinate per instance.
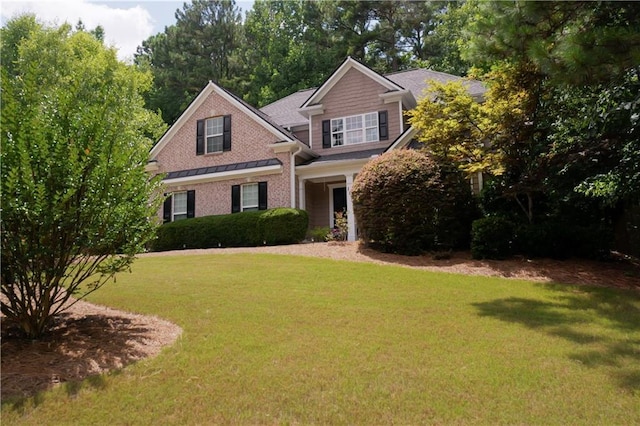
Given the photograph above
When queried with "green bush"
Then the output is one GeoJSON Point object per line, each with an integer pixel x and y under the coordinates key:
{"type": "Point", "coordinates": [319, 234]}
{"type": "Point", "coordinates": [246, 229]}
{"type": "Point", "coordinates": [404, 202]}
{"type": "Point", "coordinates": [283, 226]}
{"type": "Point", "coordinates": [492, 238]}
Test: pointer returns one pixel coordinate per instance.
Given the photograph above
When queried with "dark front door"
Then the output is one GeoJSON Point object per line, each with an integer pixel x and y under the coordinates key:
{"type": "Point", "coordinates": [339, 201]}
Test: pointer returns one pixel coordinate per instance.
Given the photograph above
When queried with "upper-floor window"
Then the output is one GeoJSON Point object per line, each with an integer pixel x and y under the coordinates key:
{"type": "Point", "coordinates": [361, 128]}
{"type": "Point", "coordinates": [354, 129]}
{"type": "Point", "coordinates": [213, 135]}
{"type": "Point", "coordinates": [214, 131]}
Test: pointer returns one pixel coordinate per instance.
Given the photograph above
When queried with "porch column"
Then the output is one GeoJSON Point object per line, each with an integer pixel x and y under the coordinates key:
{"type": "Point", "coordinates": [302, 197]}
{"type": "Point", "coordinates": [351, 220]}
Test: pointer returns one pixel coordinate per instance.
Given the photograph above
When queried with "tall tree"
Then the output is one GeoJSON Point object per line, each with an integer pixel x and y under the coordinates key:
{"type": "Point", "coordinates": [75, 195]}
{"type": "Point", "coordinates": [198, 48]}
{"type": "Point", "coordinates": [287, 37]}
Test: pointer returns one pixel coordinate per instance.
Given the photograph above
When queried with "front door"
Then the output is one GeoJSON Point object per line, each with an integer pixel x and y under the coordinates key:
{"type": "Point", "coordinates": [339, 202]}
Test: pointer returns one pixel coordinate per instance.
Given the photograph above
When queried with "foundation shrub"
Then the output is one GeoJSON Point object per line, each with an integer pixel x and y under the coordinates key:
{"type": "Point", "coordinates": [245, 229]}
{"type": "Point", "coordinates": [405, 203]}
{"type": "Point", "coordinates": [283, 226]}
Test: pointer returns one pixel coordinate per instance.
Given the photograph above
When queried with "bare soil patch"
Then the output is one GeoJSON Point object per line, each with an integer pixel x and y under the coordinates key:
{"type": "Point", "coordinates": [89, 339]}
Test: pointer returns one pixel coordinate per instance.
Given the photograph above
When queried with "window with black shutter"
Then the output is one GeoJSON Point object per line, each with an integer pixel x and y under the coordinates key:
{"type": "Point", "coordinates": [213, 135]}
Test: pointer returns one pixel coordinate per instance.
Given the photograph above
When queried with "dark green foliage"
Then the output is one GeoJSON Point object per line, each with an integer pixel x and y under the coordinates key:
{"type": "Point", "coordinates": [561, 240]}
{"type": "Point", "coordinates": [492, 237]}
{"type": "Point", "coordinates": [246, 229]}
{"type": "Point", "coordinates": [283, 226]}
{"type": "Point", "coordinates": [405, 203]}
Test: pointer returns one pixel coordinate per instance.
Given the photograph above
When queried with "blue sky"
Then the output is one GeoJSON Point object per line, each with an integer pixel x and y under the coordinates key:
{"type": "Point", "coordinates": [126, 23]}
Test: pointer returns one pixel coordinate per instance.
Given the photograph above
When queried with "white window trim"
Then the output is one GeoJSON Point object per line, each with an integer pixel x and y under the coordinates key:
{"type": "Point", "coordinates": [207, 135]}
{"type": "Point", "coordinates": [251, 207]}
{"type": "Point", "coordinates": [174, 211]}
{"type": "Point", "coordinates": [363, 129]}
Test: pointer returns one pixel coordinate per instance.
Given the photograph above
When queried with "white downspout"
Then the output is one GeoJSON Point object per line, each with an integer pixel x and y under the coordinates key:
{"type": "Point", "coordinates": [293, 177]}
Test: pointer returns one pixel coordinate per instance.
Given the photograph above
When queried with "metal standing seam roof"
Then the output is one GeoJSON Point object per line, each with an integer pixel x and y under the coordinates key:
{"type": "Point", "coordinates": [223, 168]}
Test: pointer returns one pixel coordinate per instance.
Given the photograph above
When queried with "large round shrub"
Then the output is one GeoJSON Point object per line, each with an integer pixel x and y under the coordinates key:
{"type": "Point", "coordinates": [405, 203]}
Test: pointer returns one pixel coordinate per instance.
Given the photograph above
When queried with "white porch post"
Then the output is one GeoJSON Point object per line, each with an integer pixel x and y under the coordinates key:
{"type": "Point", "coordinates": [351, 220]}
{"type": "Point", "coordinates": [302, 197]}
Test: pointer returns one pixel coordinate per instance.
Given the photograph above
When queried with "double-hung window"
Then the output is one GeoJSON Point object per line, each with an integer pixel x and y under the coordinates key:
{"type": "Point", "coordinates": [179, 206]}
{"type": "Point", "coordinates": [249, 197]}
{"type": "Point", "coordinates": [355, 129]}
{"type": "Point", "coordinates": [214, 134]}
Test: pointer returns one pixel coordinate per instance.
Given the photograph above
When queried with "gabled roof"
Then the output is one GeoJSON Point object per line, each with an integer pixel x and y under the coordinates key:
{"type": "Point", "coordinates": [348, 64]}
{"type": "Point", "coordinates": [416, 81]}
{"type": "Point", "coordinates": [211, 87]}
{"type": "Point", "coordinates": [285, 111]}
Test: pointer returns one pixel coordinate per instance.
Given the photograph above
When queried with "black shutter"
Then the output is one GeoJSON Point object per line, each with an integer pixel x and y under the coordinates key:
{"type": "Point", "coordinates": [226, 135]}
{"type": "Point", "coordinates": [383, 126]}
{"type": "Point", "coordinates": [191, 203]}
{"type": "Point", "coordinates": [166, 209]}
{"type": "Point", "coordinates": [235, 198]}
{"type": "Point", "coordinates": [200, 137]}
{"type": "Point", "coordinates": [326, 133]}
{"type": "Point", "coordinates": [262, 195]}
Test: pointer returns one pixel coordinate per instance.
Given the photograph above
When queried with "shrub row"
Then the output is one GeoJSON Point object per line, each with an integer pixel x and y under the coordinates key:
{"type": "Point", "coordinates": [498, 238]}
{"type": "Point", "coordinates": [246, 229]}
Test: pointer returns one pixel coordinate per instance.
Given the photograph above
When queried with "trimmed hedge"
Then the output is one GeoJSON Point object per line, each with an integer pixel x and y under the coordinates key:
{"type": "Point", "coordinates": [246, 229]}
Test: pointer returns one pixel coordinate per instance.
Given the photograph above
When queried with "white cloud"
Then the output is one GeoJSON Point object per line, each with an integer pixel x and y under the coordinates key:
{"type": "Point", "coordinates": [125, 28]}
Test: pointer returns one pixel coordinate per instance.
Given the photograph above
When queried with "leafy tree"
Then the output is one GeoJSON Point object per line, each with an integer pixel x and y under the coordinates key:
{"type": "Point", "coordinates": [75, 195]}
{"type": "Point", "coordinates": [198, 48]}
{"type": "Point", "coordinates": [495, 137]}
{"type": "Point", "coordinates": [286, 37]}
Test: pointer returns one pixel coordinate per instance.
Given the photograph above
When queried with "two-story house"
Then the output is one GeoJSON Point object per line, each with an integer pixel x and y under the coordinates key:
{"type": "Point", "coordinates": [224, 156]}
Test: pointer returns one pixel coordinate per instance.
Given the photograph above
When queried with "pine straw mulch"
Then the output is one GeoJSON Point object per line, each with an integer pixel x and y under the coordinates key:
{"type": "Point", "coordinates": [86, 340]}
{"type": "Point", "coordinates": [89, 340]}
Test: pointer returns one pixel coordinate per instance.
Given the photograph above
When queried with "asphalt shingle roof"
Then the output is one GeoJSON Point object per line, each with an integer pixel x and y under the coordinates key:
{"type": "Point", "coordinates": [285, 113]}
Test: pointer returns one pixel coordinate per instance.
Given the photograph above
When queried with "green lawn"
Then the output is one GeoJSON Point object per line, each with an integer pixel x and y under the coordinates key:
{"type": "Point", "coordinates": [274, 339]}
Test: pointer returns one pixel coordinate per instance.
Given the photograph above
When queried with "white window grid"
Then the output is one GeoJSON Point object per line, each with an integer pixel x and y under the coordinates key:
{"type": "Point", "coordinates": [249, 197]}
{"type": "Point", "coordinates": [355, 129]}
{"type": "Point", "coordinates": [179, 205]}
{"type": "Point", "coordinates": [214, 134]}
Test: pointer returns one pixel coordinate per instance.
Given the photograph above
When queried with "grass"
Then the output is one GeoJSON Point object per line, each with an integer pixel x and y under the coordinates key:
{"type": "Point", "coordinates": [274, 339]}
